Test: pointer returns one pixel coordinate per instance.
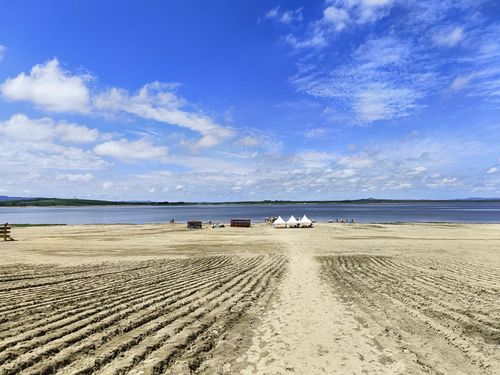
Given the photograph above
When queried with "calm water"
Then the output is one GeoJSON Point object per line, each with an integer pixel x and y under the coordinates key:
{"type": "Point", "coordinates": [467, 212]}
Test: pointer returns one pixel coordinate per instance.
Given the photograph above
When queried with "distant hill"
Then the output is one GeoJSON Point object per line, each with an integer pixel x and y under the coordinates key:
{"type": "Point", "coordinates": [20, 202]}
{"type": "Point", "coordinates": [47, 202]}
{"type": "Point", "coordinates": [6, 198]}
{"type": "Point", "coordinates": [481, 199]}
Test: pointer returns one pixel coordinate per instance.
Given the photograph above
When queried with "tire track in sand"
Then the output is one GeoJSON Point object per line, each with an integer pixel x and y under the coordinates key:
{"type": "Point", "coordinates": [308, 330]}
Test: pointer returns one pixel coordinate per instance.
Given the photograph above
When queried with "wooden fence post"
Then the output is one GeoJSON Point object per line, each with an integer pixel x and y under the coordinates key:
{"type": "Point", "coordinates": [5, 232]}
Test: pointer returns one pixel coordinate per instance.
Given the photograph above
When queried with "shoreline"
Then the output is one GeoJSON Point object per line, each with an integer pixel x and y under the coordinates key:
{"type": "Point", "coordinates": [256, 224]}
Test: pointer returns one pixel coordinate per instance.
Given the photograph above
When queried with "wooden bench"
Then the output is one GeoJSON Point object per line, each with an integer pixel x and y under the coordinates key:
{"type": "Point", "coordinates": [5, 232]}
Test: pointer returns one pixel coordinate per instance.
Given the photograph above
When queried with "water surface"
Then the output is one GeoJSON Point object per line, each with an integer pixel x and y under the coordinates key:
{"type": "Point", "coordinates": [465, 212]}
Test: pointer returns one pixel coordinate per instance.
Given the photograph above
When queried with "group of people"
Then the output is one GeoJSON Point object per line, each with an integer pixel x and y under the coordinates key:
{"type": "Point", "coordinates": [342, 221]}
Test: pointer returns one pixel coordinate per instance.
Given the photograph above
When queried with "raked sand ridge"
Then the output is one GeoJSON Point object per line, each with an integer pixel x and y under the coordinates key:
{"type": "Point", "coordinates": [346, 299]}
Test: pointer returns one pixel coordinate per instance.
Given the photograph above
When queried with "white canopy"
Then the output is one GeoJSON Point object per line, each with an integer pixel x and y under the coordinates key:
{"type": "Point", "coordinates": [292, 221]}
{"type": "Point", "coordinates": [279, 222]}
{"type": "Point", "coordinates": [305, 222]}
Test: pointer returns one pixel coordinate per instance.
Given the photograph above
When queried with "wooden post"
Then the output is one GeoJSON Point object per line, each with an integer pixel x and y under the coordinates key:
{"type": "Point", "coordinates": [5, 232]}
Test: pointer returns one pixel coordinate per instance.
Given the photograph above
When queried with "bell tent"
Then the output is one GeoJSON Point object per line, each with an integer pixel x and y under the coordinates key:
{"type": "Point", "coordinates": [279, 223]}
{"type": "Point", "coordinates": [292, 222]}
{"type": "Point", "coordinates": [305, 222]}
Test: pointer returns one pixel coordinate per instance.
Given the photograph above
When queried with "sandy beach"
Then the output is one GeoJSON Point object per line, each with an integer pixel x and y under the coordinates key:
{"type": "Point", "coordinates": [334, 299]}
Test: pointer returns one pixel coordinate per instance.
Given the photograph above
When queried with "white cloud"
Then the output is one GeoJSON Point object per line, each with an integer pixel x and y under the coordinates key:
{"type": "Point", "coordinates": [449, 37]}
{"type": "Point", "coordinates": [22, 128]}
{"type": "Point", "coordinates": [76, 177]}
{"type": "Point", "coordinates": [390, 77]}
{"type": "Point", "coordinates": [3, 49]}
{"type": "Point", "coordinates": [356, 161]}
{"type": "Point", "coordinates": [157, 175]}
{"type": "Point", "coordinates": [359, 11]}
{"type": "Point", "coordinates": [381, 81]}
{"type": "Point", "coordinates": [49, 87]}
{"type": "Point", "coordinates": [107, 185]}
{"type": "Point", "coordinates": [492, 170]}
{"type": "Point", "coordinates": [343, 173]}
{"type": "Point", "coordinates": [32, 147]}
{"type": "Point", "coordinates": [285, 17]}
{"type": "Point", "coordinates": [35, 155]}
{"type": "Point", "coordinates": [461, 82]}
{"type": "Point", "coordinates": [370, 10]}
{"type": "Point", "coordinates": [127, 151]}
{"type": "Point", "coordinates": [316, 159]}
{"type": "Point", "coordinates": [416, 171]}
{"type": "Point", "coordinates": [73, 133]}
{"type": "Point", "coordinates": [336, 16]}
{"type": "Point", "coordinates": [316, 133]}
{"type": "Point", "coordinates": [157, 101]}
{"type": "Point", "coordinates": [437, 181]}
{"type": "Point", "coordinates": [481, 65]}
{"type": "Point", "coordinates": [421, 163]}
{"type": "Point", "coordinates": [316, 39]}
{"type": "Point", "coordinates": [379, 102]}
{"type": "Point", "coordinates": [382, 52]}
{"type": "Point", "coordinates": [400, 65]}
{"type": "Point", "coordinates": [248, 141]}
{"type": "Point", "coordinates": [273, 13]}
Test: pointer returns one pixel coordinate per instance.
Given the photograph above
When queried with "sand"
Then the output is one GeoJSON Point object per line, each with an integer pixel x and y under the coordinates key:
{"type": "Point", "coordinates": [337, 298]}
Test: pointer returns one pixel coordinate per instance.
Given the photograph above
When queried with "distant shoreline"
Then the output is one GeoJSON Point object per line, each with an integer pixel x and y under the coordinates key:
{"type": "Point", "coordinates": [206, 225]}
{"type": "Point", "coordinates": [61, 202]}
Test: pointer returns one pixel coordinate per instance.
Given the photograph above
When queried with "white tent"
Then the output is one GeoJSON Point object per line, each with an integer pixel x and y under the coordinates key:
{"type": "Point", "coordinates": [305, 222]}
{"type": "Point", "coordinates": [292, 222]}
{"type": "Point", "coordinates": [279, 223]}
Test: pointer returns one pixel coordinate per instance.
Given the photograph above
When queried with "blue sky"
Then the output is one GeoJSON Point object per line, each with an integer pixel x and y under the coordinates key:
{"type": "Point", "coordinates": [237, 100]}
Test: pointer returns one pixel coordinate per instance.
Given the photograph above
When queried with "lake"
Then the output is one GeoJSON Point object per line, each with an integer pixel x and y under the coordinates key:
{"type": "Point", "coordinates": [464, 212]}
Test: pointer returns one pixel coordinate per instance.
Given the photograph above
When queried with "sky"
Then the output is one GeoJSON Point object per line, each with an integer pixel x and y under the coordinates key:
{"type": "Point", "coordinates": [250, 100]}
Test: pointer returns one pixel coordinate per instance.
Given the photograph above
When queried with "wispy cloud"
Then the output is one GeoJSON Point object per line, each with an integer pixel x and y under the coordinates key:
{"type": "Point", "coordinates": [284, 16]}
{"type": "Point", "coordinates": [158, 101]}
{"type": "Point", "coordinates": [372, 85]}
{"type": "Point", "coordinates": [337, 16]}
{"type": "Point", "coordinates": [75, 177]}
{"type": "Point", "coordinates": [379, 101]}
{"type": "Point", "coordinates": [316, 133]}
{"type": "Point", "coordinates": [262, 140]}
{"type": "Point", "coordinates": [413, 163]}
{"type": "Point", "coordinates": [363, 11]}
{"type": "Point", "coordinates": [437, 181]}
{"type": "Point", "coordinates": [480, 66]}
{"type": "Point", "coordinates": [128, 151]}
{"type": "Point", "coordinates": [449, 37]}
{"type": "Point", "coordinates": [390, 75]}
{"type": "Point", "coordinates": [416, 163]}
